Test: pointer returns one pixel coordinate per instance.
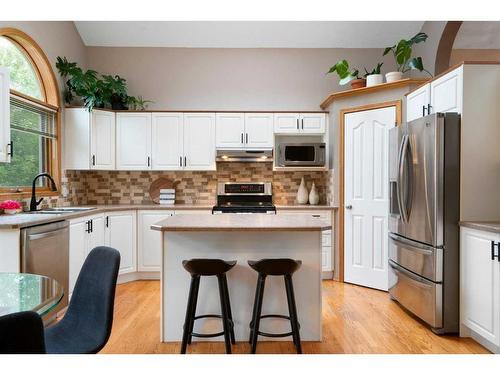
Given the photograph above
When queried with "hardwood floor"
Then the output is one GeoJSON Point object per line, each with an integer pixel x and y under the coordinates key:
{"type": "Point", "coordinates": [355, 320]}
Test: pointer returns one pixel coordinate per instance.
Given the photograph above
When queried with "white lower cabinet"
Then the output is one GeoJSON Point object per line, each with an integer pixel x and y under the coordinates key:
{"type": "Point", "coordinates": [479, 287]}
{"type": "Point", "coordinates": [149, 241]}
{"type": "Point", "coordinates": [120, 230]}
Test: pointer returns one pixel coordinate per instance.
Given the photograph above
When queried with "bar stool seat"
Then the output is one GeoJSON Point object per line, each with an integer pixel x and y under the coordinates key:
{"type": "Point", "coordinates": [275, 267]}
{"type": "Point", "coordinates": [208, 267]}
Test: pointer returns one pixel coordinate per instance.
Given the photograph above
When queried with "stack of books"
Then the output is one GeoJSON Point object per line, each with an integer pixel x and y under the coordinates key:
{"type": "Point", "coordinates": [167, 196]}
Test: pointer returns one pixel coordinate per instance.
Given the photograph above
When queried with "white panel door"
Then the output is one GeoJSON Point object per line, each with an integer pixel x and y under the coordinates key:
{"type": "Point", "coordinates": [366, 196]}
{"type": "Point", "coordinates": [4, 114]}
{"type": "Point", "coordinates": [120, 234]}
{"type": "Point", "coordinates": [167, 141]}
{"type": "Point", "coordinates": [199, 141]}
{"type": "Point", "coordinates": [312, 123]}
{"type": "Point", "coordinates": [417, 102]}
{"type": "Point", "coordinates": [76, 143]}
{"type": "Point", "coordinates": [479, 284]}
{"type": "Point", "coordinates": [149, 241]}
{"type": "Point", "coordinates": [447, 92]}
{"type": "Point", "coordinates": [259, 130]}
{"type": "Point", "coordinates": [133, 141]}
{"type": "Point", "coordinates": [78, 248]}
{"type": "Point", "coordinates": [286, 123]}
{"type": "Point", "coordinates": [102, 130]}
{"type": "Point", "coordinates": [230, 130]}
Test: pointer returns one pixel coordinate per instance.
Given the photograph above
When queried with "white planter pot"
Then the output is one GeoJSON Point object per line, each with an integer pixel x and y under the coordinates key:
{"type": "Point", "coordinates": [374, 79]}
{"type": "Point", "coordinates": [10, 211]}
{"type": "Point", "coordinates": [393, 76]}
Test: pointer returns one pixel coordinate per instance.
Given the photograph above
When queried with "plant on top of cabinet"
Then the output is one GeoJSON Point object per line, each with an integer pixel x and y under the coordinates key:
{"type": "Point", "coordinates": [374, 77]}
{"type": "Point", "coordinates": [346, 75]}
{"type": "Point", "coordinates": [138, 103]}
{"type": "Point", "coordinates": [402, 54]}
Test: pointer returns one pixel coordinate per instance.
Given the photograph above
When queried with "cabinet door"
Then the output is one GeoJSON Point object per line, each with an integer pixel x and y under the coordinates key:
{"type": "Point", "coordinates": [120, 234]}
{"type": "Point", "coordinates": [447, 92]}
{"type": "Point", "coordinates": [259, 130]}
{"type": "Point", "coordinates": [167, 141]}
{"type": "Point", "coordinates": [312, 123]}
{"type": "Point", "coordinates": [149, 241]}
{"type": "Point", "coordinates": [285, 123]}
{"type": "Point", "coordinates": [133, 141]}
{"type": "Point", "coordinates": [199, 141]}
{"type": "Point", "coordinates": [96, 237]}
{"type": "Point", "coordinates": [479, 288]}
{"type": "Point", "coordinates": [102, 130]}
{"type": "Point", "coordinates": [4, 114]}
{"type": "Point", "coordinates": [77, 138]}
{"type": "Point", "coordinates": [230, 130]}
{"type": "Point", "coordinates": [417, 102]}
{"type": "Point", "coordinates": [78, 249]}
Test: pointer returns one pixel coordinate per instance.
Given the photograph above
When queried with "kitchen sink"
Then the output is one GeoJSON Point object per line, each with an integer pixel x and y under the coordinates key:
{"type": "Point", "coordinates": [61, 210]}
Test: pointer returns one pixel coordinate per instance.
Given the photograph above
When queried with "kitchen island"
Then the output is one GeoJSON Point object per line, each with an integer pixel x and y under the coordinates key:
{"type": "Point", "coordinates": [241, 238]}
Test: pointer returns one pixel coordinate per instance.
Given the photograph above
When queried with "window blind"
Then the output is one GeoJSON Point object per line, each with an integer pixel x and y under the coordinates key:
{"type": "Point", "coordinates": [32, 118]}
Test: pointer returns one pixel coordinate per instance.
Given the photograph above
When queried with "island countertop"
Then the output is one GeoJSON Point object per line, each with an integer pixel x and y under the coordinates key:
{"type": "Point", "coordinates": [242, 222]}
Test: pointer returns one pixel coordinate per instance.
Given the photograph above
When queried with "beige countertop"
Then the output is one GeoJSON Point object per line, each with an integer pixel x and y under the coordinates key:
{"type": "Point", "coordinates": [241, 222]}
{"type": "Point", "coordinates": [23, 220]}
{"type": "Point", "coordinates": [488, 226]}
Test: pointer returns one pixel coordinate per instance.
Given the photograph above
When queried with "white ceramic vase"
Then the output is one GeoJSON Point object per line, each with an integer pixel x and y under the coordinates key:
{"type": "Point", "coordinates": [393, 76]}
{"type": "Point", "coordinates": [302, 193]}
{"type": "Point", "coordinates": [374, 79]}
{"type": "Point", "coordinates": [10, 211]}
{"type": "Point", "coordinates": [313, 195]}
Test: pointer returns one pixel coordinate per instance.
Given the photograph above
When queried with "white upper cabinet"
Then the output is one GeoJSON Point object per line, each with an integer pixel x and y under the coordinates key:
{"type": "Point", "coordinates": [230, 130]}
{"type": "Point", "coordinates": [167, 141]}
{"type": "Point", "coordinates": [417, 102]}
{"type": "Point", "coordinates": [133, 141]}
{"type": "Point", "coordinates": [102, 130]}
{"type": "Point", "coordinates": [447, 92]}
{"type": "Point", "coordinates": [77, 138]}
{"type": "Point", "coordinates": [199, 141]}
{"type": "Point", "coordinates": [298, 123]}
{"type": "Point", "coordinates": [4, 115]}
{"type": "Point", "coordinates": [312, 123]}
{"type": "Point", "coordinates": [259, 130]}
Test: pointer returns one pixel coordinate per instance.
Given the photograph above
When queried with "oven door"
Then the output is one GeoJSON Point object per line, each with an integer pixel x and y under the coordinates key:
{"type": "Point", "coordinates": [420, 296]}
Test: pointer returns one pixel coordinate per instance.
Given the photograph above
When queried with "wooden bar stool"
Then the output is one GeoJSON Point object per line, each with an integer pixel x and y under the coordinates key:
{"type": "Point", "coordinates": [275, 267]}
{"type": "Point", "coordinates": [208, 267]}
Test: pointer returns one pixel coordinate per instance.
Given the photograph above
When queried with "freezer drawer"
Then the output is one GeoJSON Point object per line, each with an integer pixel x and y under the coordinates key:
{"type": "Point", "coordinates": [424, 260]}
{"type": "Point", "coordinates": [420, 296]}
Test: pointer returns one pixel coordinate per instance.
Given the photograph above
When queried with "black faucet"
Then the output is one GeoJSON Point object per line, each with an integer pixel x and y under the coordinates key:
{"type": "Point", "coordinates": [34, 203]}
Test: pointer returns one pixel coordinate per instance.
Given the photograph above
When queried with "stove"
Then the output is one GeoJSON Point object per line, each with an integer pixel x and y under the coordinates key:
{"type": "Point", "coordinates": [244, 198]}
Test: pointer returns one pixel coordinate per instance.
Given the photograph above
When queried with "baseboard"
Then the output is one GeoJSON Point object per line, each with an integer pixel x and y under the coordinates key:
{"type": "Point", "coordinates": [327, 275]}
{"type": "Point", "coordinates": [134, 276]}
{"type": "Point", "coordinates": [467, 332]}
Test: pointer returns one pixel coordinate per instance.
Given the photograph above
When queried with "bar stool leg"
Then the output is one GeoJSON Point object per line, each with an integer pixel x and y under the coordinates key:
{"type": "Point", "coordinates": [293, 313]}
{"type": "Point", "coordinates": [228, 307]}
{"type": "Point", "coordinates": [261, 282]}
{"type": "Point", "coordinates": [254, 312]}
{"type": "Point", "coordinates": [193, 308]}
{"type": "Point", "coordinates": [225, 321]}
{"type": "Point", "coordinates": [189, 314]}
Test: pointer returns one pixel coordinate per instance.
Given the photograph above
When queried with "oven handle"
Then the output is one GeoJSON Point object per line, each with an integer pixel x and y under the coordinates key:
{"type": "Point", "coordinates": [418, 279]}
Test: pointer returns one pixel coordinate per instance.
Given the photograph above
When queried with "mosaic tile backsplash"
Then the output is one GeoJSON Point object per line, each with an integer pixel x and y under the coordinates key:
{"type": "Point", "coordinates": [197, 187]}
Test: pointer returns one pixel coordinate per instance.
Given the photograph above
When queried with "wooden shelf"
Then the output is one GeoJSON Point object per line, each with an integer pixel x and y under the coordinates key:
{"type": "Point", "coordinates": [371, 89]}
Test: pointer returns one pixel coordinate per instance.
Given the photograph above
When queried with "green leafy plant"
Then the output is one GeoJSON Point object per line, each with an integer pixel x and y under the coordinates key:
{"type": "Point", "coordinates": [138, 103]}
{"type": "Point", "coordinates": [402, 52]}
{"type": "Point", "coordinates": [375, 70]}
{"type": "Point", "coordinates": [345, 74]}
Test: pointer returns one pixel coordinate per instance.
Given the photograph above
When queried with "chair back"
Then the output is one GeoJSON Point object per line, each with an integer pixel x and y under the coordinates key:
{"type": "Point", "coordinates": [22, 333]}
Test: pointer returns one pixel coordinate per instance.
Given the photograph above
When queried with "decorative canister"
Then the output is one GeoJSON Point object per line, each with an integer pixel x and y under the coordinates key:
{"type": "Point", "coordinates": [302, 193]}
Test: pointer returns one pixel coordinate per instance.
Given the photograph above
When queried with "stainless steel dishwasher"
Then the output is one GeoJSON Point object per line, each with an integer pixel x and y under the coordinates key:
{"type": "Point", "coordinates": [45, 251]}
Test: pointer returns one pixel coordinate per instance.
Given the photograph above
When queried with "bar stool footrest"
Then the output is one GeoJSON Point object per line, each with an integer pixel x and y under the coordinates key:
{"type": "Point", "coordinates": [209, 335]}
{"type": "Point", "coordinates": [267, 334]}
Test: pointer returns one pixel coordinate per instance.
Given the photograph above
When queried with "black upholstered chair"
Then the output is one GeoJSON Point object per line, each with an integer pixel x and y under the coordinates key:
{"type": "Point", "coordinates": [86, 326]}
{"type": "Point", "coordinates": [21, 333]}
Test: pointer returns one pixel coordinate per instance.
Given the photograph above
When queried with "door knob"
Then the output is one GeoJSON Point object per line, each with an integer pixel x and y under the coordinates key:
{"type": "Point", "coordinates": [348, 207]}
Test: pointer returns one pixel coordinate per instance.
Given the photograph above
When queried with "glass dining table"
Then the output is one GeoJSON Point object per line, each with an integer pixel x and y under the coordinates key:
{"type": "Point", "coordinates": [28, 292]}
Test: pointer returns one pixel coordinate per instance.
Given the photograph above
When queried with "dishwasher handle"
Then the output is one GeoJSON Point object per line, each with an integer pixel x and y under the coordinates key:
{"type": "Point", "coordinates": [48, 234]}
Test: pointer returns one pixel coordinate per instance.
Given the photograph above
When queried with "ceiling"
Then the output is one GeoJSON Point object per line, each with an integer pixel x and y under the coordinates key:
{"type": "Point", "coordinates": [246, 34]}
{"type": "Point", "coordinates": [478, 35]}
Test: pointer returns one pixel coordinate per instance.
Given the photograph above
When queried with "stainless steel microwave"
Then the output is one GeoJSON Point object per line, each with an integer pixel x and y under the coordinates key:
{"type": "Point", "coordinates": [301, 154]}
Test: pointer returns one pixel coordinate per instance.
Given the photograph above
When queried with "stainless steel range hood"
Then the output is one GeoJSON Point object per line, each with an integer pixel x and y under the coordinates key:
{"type": "Point", "coordinates": [245, 156]}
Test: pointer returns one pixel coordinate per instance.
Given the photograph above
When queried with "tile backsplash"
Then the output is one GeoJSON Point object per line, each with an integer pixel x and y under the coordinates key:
{"type": "Point", "coordinates": [195, 187]}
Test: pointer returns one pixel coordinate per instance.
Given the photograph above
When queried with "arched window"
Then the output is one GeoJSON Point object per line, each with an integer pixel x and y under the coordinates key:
{"type": "Point", "coordinates": [34, 115]}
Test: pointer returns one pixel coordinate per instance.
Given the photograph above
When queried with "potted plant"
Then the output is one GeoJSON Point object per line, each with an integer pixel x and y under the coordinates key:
{"type": "Point", "coordinates": [138, 103]}
{"type": "Point", "coordinates": [374, 77]}
{"type": "Point", "coordinates": [115, 91]}
{"type": "Point", "coordinates": [10, 207]}
{"type": "Point", "coordinates": [402, 54]}
{"type": "Point", "coordinates": [346, 75]}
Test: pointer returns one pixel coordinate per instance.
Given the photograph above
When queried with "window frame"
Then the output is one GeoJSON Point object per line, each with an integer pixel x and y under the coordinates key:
{"type": "Point", "coordinates": [50, 93]}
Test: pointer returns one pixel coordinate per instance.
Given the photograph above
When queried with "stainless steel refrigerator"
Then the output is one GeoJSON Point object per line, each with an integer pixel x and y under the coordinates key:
{"type": "Point", "coordinates": [424, 183]}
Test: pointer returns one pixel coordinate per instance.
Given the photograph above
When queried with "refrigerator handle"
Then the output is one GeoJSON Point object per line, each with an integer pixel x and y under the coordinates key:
{"type": "Point", "coordinates": [402, 207]}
